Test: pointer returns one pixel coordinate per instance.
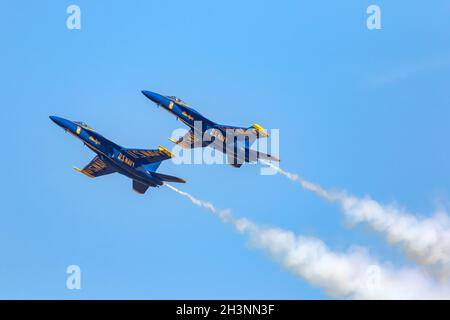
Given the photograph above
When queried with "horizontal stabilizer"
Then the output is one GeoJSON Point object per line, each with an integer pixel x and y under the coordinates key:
{"type": "Point", "coordinates": [260, 130]}
{"type": "Point", "coordinates": [166, 177]}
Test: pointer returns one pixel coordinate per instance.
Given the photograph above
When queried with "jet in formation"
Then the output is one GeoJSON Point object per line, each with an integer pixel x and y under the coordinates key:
{"type": "Point", "coordinates": [140, 165]}
{"type": "Point", "coordinates": [233, 141]}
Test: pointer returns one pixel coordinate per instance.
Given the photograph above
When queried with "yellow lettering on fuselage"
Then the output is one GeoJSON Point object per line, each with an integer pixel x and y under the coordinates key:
{"type": "Point", "coordinates": [184, 113]}
{"type": "Point", "coordinates": [125, 160]}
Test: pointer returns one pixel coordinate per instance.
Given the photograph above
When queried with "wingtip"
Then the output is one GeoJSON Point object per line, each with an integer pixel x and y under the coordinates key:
{"type": "Point", "coordinates": [261, 131]}
{"type": "Point", "coordinates": [83, 172]}
{"type": "Point", "coordinates": [167, 152]}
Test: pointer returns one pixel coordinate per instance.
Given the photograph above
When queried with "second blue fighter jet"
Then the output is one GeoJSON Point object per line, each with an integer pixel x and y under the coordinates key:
{"type": "Point", "coordinates": [138, 164]}
{"type": "Point", "coordinates": [206, 133]}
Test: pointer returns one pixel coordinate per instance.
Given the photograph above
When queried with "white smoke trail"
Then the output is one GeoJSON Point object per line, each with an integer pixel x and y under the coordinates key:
{"type": "Point", "coordinates": [353, 274]}
{"type": "Point", "coordinates": [426, 240]}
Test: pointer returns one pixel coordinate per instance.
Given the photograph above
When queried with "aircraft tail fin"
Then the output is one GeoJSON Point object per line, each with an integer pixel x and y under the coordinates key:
{"type": "Point", "coordinates": [140, 187]}
{"type": "Point", "coordinates": [247, 155]}
{"type": "Point", "coordinates": [236, 165]}
{"type": "Point", "coordinates": [234, 161]}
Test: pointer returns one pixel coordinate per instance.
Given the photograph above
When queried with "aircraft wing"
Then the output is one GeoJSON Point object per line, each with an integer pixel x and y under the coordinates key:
{"type": "Point", "coordinates": [190, 140]}
{"type": "Point", "coordinates": [96, 168]}
{"type": "Point", "coordinates": [149, 156]}
{"type": "Point", "coordinates": [234, 161]}
{"type": "Point", "coordinates": [252, 133]}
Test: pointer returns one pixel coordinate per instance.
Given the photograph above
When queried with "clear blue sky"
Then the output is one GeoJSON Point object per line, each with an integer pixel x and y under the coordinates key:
{"type": "Point", "coordinates": [363, 110]}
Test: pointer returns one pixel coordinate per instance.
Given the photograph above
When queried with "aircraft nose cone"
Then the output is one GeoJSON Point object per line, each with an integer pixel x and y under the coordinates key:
{"type": "Point", "coordinates": [56, 119]}
{"type": "Point", "coordinates": [152, 96]}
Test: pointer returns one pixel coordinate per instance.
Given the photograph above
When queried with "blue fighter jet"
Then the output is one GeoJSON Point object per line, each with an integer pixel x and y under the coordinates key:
{"type": "Point", "coordinates": [204, 132]}
{"type": "Point", "coordinates": [137, 164]}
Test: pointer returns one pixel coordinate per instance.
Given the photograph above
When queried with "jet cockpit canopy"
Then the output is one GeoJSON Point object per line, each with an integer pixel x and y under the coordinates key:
{"type": "Point", "coordinates": [177, 100]}
{"type": "Point", "coordinates": [83, 125]}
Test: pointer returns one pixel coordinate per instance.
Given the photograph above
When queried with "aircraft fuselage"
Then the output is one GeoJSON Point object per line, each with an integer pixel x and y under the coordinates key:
{"type": "Point", "coordinates": [108, 151]}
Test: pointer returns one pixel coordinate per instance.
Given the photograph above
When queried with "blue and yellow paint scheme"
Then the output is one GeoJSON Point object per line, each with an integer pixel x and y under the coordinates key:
{"type": "Point", "coordinates": [140, 165]}
{"type": "Point", "coordinates": [204, 132]}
